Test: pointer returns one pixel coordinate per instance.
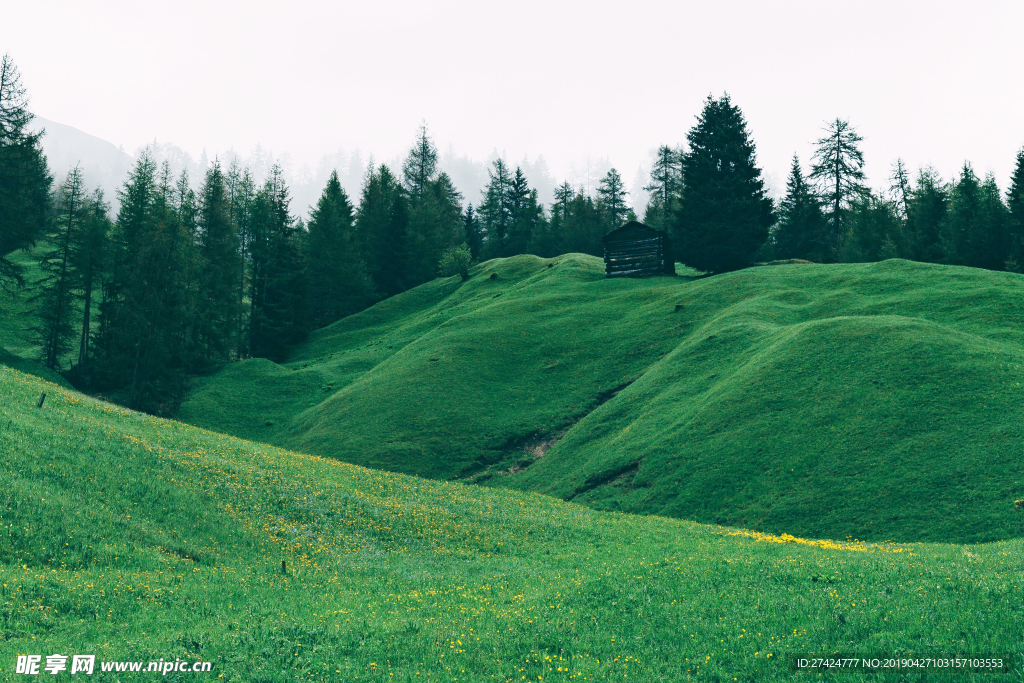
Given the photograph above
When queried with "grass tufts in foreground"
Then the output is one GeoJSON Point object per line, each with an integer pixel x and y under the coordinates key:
{"type": "Point", "coordinates": [135, 538]}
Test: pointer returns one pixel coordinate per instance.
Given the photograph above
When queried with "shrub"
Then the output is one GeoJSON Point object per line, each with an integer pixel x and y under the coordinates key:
{"type": "Point", "coordinates": [456, 261]}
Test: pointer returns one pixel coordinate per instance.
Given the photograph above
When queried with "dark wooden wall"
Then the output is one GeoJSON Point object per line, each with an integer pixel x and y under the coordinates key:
{"type": "Point", "coordinates": [637, 253]}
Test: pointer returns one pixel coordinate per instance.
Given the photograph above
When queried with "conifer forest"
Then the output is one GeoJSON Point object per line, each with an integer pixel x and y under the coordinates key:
{"type": "Point", "coordinates": [180, 281]}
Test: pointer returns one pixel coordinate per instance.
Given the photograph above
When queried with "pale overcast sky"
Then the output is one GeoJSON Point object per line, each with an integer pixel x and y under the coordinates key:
{"type": "Point", "coordinates": [933, 81]}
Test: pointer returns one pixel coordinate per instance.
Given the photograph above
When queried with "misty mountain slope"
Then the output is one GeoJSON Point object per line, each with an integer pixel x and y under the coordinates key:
{"type": "Point", "coordinates": [879, 401]}
{"type": "Point", "coordinates": [103, 165]}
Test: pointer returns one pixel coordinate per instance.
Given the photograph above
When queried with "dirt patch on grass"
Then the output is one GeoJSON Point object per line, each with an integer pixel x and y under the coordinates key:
{"type": "Point", "coordinates": [520, 452]}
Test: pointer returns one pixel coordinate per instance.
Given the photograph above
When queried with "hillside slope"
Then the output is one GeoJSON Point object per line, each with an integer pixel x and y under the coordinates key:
{"type": "Point", "coordinates": [875, 401]}
{"type": "Point", "coordinates": [134, 538]}
{"type": "Point", "coordinates": [31, 367]}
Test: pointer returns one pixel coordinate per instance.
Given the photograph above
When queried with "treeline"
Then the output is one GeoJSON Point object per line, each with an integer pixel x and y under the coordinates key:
{"type": "Point", "coordinates": [183, 280]}
{"type": "Point", "coordinates": [711, 198]}
{"type": "Point", "coordinates": [830, 215]}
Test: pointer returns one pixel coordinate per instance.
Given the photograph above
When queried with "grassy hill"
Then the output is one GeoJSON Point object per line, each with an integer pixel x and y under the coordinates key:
{"type": "Point", "coordinates": [873, 401]}
{"type": "Point", "coordinates": [135, 538]}
{"type": "Point", "coordinates": [31, 367]}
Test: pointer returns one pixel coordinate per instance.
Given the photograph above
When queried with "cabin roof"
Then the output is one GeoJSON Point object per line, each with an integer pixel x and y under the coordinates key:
{"type": "Point", "coordinates": [631, 230]}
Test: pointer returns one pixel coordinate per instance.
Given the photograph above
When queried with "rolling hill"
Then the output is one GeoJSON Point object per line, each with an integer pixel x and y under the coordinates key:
{"type": "Point", "coordinates": [872, 401]}
{"type": "Point", "coordinates": [136, 539]}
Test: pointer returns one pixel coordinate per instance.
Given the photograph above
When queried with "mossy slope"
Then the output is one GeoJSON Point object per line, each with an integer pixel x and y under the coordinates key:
{"type": "Point", "coordinates": [876, 401]}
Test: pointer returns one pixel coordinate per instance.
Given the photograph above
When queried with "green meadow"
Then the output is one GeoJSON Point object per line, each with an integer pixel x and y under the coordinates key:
{"type": "Point", "coordinates": [136, 538]}
{"type": "Point", "coordinates": [876, 401]}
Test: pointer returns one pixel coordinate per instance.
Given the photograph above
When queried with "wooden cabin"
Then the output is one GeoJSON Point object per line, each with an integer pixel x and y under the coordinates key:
{"type": "Point", "coordinates": [635, 250]}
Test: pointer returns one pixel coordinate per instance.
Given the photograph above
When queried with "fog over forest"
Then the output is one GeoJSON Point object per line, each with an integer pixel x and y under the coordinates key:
{"type": "Point", "coordinates": [105, 165]}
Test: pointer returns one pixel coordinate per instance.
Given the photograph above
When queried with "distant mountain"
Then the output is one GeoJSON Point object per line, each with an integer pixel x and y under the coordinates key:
{"type": "Point", "coordinates": [103, 164]}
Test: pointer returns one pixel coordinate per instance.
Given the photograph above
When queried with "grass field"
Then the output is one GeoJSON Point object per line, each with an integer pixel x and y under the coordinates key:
{"type": "Point", "coordinates": [870, 401]}
{"type": "Point", "coordinates": [135, 538]}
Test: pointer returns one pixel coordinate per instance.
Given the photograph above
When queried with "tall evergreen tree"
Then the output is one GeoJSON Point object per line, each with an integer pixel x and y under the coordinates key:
{"type": "Point", "coordinates": [420, 165]}
{"type": "Point", "coordinates": [495, 212]}
{"type": "Point", "coordinates": [582, 227]}
{"type": "Point", "coordinates": [54, 302]}
{"type": "Point", "coordinates": [611, 200]}
{"type": "Point", "coordinates": [801, 228]}
{"type": "Point", "coordinates": [1015, 218]}
{"type": "Point", "coordinates": [220, 264]}
{"type": "Point", "coordinates": [990, 247]}
{"type": "Point", "coordinates": [184, 211]}
{"type": "Point", "coordinates": [435, 225]}
{"type": "Point", "coordinates": [666, 187]}
{"type": "Point", "coordinates": [926, 215]}
{"type": "Point", "coordinates": [382, 223]}
{"type": "Point", "coordinates": [89, 255]}
{"type": "Point", "coordinates": [838, 169]}
{"type": "Point", "coordinates": [242, 191]}
{"type": "Point", "coordinates": [279, 317]}
{"type": "Point", "coordinates": [147, 312]}
{"type": "Point", "coordinates": [25, 180]}
{"type": "Point", "coordinates": [899, 188]}
{"type": "Point", "coordinates": [526, 215]}
{"type": "Point", "coordinates": [725, 214]}
{"type": "Point", "coordinates": [550, 239]}
{"type": "Point", "coordinates": [338, 281]}
{"type": "Point", "coordinates": [964, 218]}
{"type": "Point", "coordinates": [184, 200]}
{"type": "Point", "coordinates": [472, 233]}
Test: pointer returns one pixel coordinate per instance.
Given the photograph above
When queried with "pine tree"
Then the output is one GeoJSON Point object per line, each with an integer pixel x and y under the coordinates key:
{"type": "Point", "coordinates": [435, 225]}
{"type": "Point", "coordinates": [1015, 219]}
{"type": "Point", "coordinates": [89, 251]}
{"type": "Point", "coordinates": [495, 212]}
{"type": "Point", "coordinates": [801, 229]}
{"type": "Point", "coordinates": [420, 165]}
{"type": "Point", "coordinates": [338, 282]}
{"type": "Point", "coordinates": [724, 214]}
{"type": "Point", "coordinates": [666, 187]}
{"type": "Point", "coordinates": [582, 227]}
{"type": "Point", "coordinates": [242, 191]}
{"type": "Point", "coordinates": [991, 244]}
{"type": "Point", "coordinates": [382, 223]}
{"type": "Point", "coordinates": [526, 215]}
{"type": "Point", "coordinates": [548, 240]}
{"type": "Point", "coordinates": [220, 265]}
{"type": "Point", "coordinates": [54, 302]}
{"type": "Point", "coordinates": [899, 188]}
{"type": "Point", "coordinates": [25, 180]}
{"type": "Point", "coordinates": [185, 203]}
{"type": "Point", "coordinates": [926, 215]}
{"type": "Point", "coordinates": [148, 313]}
{"type": "Point", "coordinates": [472, 233]}
{"type": "Point", "coordinates": [184, 210]}
{"type": "Point", "coordinates": [279, 317]}
{"type": "Point", "coordinates": [611, 201]}
{"type": "Point", "coordinates": [838, 169]}
{"type": "Point", "coordinates": [964, 218]}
